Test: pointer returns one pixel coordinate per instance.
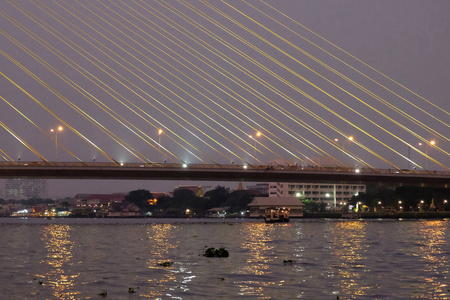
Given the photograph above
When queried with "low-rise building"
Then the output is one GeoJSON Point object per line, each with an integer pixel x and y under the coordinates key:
{"type": "Point", "coordinates": [126, 210]}
{"type": "Point", "coordinates": [258, 206]}
{"type": "Point", "coordinates": [217, 212]}
{"type": "Point", "coordinates": [104, 200]}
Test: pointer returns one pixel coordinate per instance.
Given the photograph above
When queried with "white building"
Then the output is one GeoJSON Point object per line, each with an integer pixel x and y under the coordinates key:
{"type": "Point", "coordinates": [18, 189]}
{"type": "Point", "coordinates": [333, 195]}
{"type": "Point", "coordinates": [263, 188]}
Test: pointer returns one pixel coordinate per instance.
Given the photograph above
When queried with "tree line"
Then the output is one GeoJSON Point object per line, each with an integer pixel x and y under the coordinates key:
{"type": "Point", "coordinates": [404, 198]}
{"type": "Point", "coordinates": [185, 199]}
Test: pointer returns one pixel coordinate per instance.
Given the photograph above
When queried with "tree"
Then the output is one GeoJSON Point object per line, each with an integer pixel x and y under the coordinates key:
{"type": "Point", "coordinates": [313, 206]}
{"type": "Point", "coordinates": [186, 199]}
{"type": "Point", "coordinates": [376, 196]}
{"type": "Point", "coordinates": [217, 196]}
{"type": "Point", "coordinates": [238, 201]}
{"type": "Point", "coordinates": [164, 202]}
{"type": "Point", "coordinates": [140, 199]}
{"type": "Point", "coordinates": [35, 201]}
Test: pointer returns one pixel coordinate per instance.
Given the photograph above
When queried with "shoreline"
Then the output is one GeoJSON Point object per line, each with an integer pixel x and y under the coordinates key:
{"type": "Point", "coordinates": [325, 215]}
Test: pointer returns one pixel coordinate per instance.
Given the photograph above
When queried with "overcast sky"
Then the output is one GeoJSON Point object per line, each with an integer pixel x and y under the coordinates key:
{"type": "Point", "coordinates": [210, 73]}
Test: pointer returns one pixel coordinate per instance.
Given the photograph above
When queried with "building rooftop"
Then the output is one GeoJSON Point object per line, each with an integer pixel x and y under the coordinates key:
{"type": "Point", "coordinates": [276, 201]}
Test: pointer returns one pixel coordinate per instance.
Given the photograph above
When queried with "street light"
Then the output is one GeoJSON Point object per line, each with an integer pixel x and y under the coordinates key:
{"type": "Point", "coordinates": [60, 128]}
{"type": "Point", "coordinates": [432, 143]}
{"type": "Point", "coordinates": [350, 138]}
{"type": "Point", "coordinates": [160, 131]}
{"type": "Point", "coordinates": [257, 134]}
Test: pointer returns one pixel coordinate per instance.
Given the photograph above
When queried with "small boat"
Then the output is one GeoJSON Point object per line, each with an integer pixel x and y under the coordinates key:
{"type": "Point", "coordinates": [276, 215]}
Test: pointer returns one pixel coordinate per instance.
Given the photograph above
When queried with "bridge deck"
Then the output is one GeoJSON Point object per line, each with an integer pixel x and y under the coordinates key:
{"type": "Point", "coordinates": [231, 172]}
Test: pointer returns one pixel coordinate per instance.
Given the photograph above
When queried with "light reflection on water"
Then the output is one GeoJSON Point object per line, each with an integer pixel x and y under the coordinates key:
{"type": "Point", "coordinates": [59, 258]}
{"type": "Point", "coordinates": [434, 251]}
{"type": "Point", "coordinates": [160, 238]}
{"type": "Point", "coordinates": [348, 240]}
{"type": "Point", "coordinates": [258, 246]}
{"type": "Point", "coordinates": [307, 259]}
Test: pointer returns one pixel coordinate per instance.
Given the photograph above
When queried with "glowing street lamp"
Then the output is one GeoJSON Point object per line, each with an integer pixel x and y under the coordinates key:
{"type": "Point", "coordinates": [432, 143]}
{"type": "Point", "coordinates": [55, 131]}
{"type": "Point", "coordinates": [257, 134]}
{"type": "Point", "coordinates": [350, 138]}
{"type": "Point", "coordinates": [160, 131]}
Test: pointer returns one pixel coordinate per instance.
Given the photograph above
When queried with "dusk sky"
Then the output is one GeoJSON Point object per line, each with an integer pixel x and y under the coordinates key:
{"type": "Point", "coordinates": [210, 74]}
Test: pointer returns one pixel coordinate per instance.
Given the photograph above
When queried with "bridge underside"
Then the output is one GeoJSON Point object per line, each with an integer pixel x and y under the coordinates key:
{"type": "Point", "coordinates": [218, 174]}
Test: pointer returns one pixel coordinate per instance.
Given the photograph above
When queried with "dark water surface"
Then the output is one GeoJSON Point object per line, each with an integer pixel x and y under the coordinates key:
{"type": "Point", "coordinates": [80, 258]}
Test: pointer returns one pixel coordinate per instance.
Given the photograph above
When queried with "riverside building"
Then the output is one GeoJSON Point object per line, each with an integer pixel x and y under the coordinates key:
{"type": "Point", "coordinates": [334, 195]}
{"type": "Point", "coordinates": [22, 189]}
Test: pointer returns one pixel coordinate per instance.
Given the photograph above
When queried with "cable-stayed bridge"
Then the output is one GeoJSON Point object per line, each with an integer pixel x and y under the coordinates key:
{"type": "Point", "coordinates": [245, 90]}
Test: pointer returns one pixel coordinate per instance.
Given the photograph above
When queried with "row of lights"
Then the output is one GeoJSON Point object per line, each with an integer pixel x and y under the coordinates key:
{"type": "Point", "coordinates": [257, 134]}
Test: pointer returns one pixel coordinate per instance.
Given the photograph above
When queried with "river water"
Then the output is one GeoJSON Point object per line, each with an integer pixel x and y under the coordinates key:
{"type": "Point", "coordinates": [305, 259]}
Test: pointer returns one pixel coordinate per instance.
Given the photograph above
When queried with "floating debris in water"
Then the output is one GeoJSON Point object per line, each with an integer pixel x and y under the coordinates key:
{"type": "Point", "coordinates": [103, 294]}
{"type": "Point", "coordinates": [165, 263]}
{"type": "Point", "coordinates": [289, 261]}
{"type": "Point", "coordinates": [213, 252]}
{"type": "Point", "coordinates": [131, 290]}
